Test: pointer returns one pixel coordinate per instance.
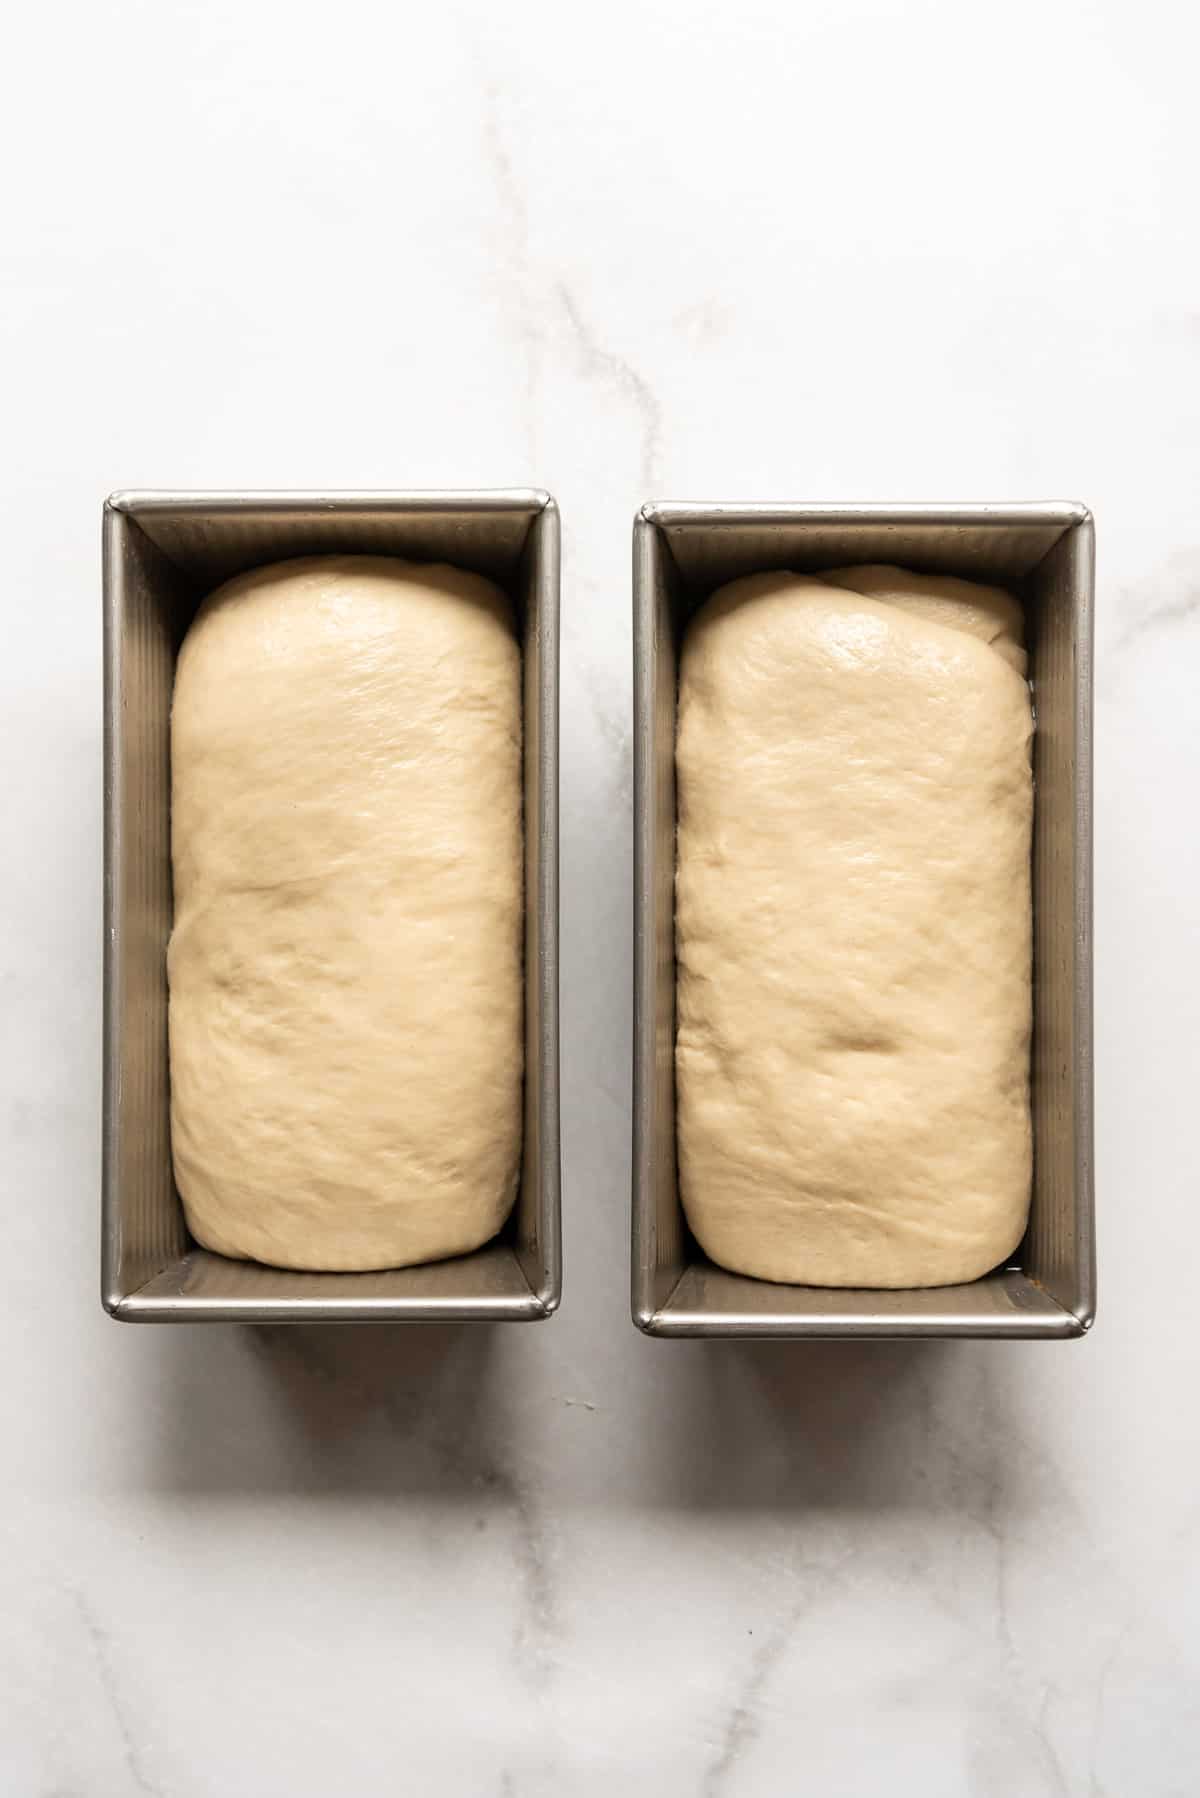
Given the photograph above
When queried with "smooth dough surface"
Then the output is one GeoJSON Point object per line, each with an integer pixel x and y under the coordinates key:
{"type": "Point", "coordinates": [345, 968]}
{"type": "Point", "coordinates": [853, 929]}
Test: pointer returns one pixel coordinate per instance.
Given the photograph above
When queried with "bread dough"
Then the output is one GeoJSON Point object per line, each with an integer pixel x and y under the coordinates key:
{"type": "Point", "coordinates": [853, 928]}
{"type": "Point", "coordinates": [345, 968]}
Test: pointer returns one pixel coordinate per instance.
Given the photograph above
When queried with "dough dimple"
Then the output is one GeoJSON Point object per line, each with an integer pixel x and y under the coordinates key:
{"type": "Point", "coordinates": [345, 967]}
{"type": "Point", "coordinates": [853, 928]}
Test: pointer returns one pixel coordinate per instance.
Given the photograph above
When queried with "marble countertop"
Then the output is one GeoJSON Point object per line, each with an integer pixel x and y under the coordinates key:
{"type": "Point", "coordinates": [861, 251]}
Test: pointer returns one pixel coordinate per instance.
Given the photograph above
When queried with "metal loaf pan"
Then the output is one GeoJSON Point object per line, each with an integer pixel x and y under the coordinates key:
{"type": "Point", "coordinates": [162, 553]}
{"type": "Point", "coordinates": [1045, 554]}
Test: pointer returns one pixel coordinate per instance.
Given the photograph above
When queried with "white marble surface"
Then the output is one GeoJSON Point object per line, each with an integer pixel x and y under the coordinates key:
{"type": "Point", "coordinates": [901, 249]}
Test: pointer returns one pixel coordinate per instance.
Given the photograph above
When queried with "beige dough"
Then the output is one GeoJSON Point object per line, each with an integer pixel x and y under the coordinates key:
{"type": "Point", "coordinates": [345, 968]}
{"type": "Point", "coordinates": [853, 928]}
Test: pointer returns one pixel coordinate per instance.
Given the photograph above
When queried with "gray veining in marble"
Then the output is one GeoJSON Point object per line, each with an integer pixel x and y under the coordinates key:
{"type": "Point", "coordinates": [606, 365]}
{"type": "Point", "coordinates": [102, 1654]}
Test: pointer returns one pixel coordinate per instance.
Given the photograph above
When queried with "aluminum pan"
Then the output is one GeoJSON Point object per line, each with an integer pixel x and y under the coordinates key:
{"type": "Point", "coordinates": [681, 552]}
{"type": "Point", "coordinates": [162, 551]}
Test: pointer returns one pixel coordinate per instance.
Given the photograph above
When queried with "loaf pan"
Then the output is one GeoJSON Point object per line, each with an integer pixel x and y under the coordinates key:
{"type": "Point", "coordinates": [162, 553]}
{"type": "Point", "coordinates": [1045, 554]}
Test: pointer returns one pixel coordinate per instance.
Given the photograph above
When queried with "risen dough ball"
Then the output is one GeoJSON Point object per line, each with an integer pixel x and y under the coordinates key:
{"type": "Point", "coordinates": [345, 968]}
{"type": "Point", "coordinates": [853, 928]}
